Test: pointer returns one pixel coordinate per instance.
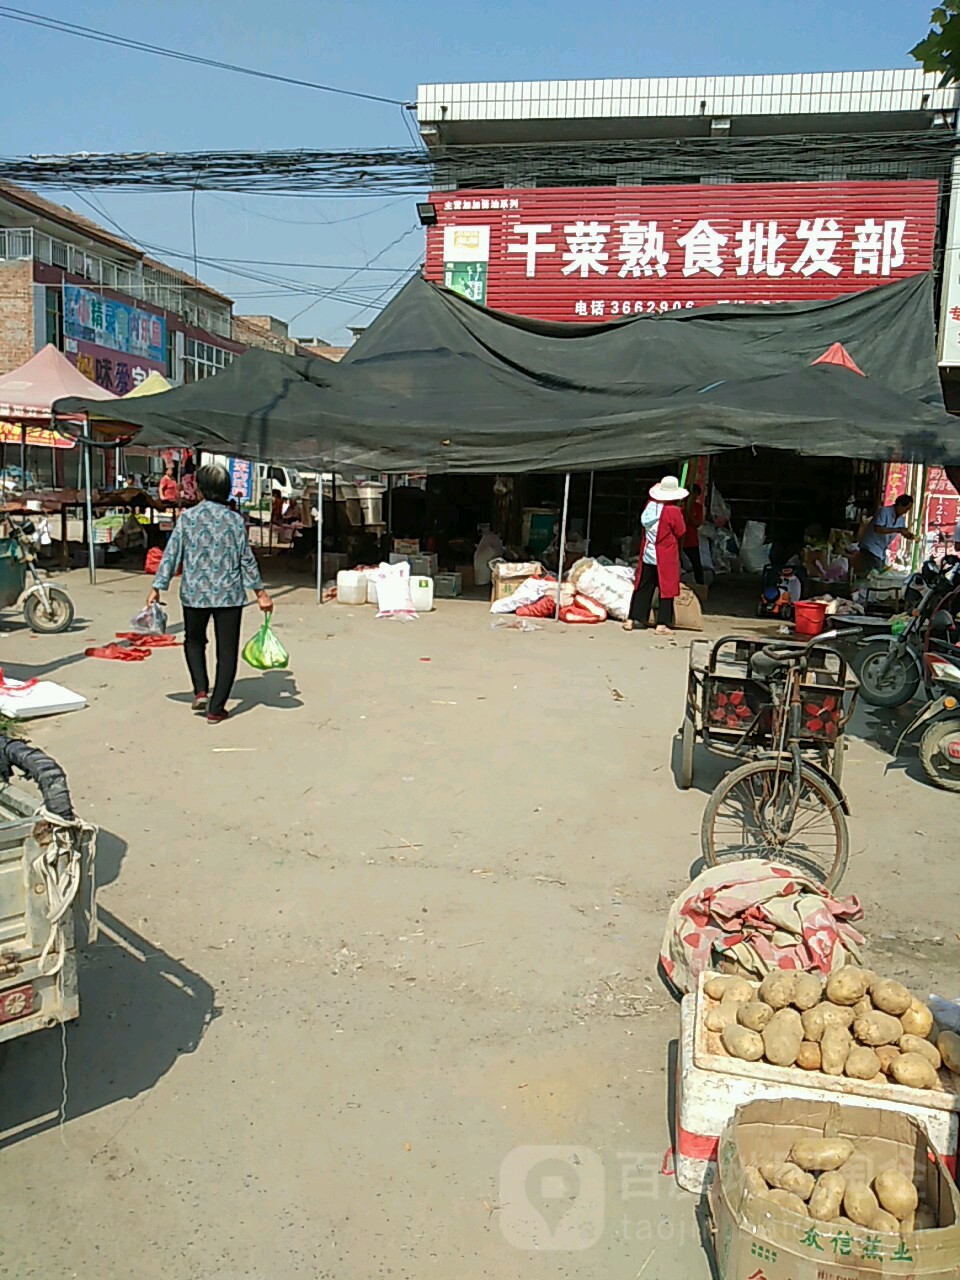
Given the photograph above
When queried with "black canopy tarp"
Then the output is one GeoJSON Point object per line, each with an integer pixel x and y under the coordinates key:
{"type": "Point", "coordinates": [440, 384]}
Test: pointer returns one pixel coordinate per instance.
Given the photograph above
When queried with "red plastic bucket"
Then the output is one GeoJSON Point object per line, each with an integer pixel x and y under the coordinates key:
{"type": "Point", "coordinates": [809, 617]}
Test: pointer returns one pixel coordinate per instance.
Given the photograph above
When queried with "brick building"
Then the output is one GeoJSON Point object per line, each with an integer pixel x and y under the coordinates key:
{"type": "Point", "coordinates": [113, 310]}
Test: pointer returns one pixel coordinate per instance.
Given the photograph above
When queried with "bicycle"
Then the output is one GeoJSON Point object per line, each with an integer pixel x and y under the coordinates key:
{"type": "Point", "coordinates": [782, 805]}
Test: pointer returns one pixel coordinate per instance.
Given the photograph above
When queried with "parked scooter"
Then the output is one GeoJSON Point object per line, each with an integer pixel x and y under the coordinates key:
{"type": "Point", "coordinates": [940, 743]}
{"type": "Point", "coordinates": [46, 609]}
{"type": "Point", "coordinates": [891, 669]}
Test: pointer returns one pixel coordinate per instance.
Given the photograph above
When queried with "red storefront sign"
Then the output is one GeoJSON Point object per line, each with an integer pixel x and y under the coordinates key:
{"type": "Point", "coordinates": [941, 513]}
{"type": "Point", "coordinates": [598, 253]}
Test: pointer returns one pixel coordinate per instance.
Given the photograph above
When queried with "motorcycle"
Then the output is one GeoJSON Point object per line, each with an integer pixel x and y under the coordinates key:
{"type": "Point", "coordinates": [940, 743]}
{"type": "Point", "coordinates": [891, 669]}
{"type": "Point", "coordinates": [46, 609]}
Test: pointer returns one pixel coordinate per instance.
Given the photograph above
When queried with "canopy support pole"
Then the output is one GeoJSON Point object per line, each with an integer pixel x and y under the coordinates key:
{"type": "Point", "coordinates": [320, 537]}
{"type": "Point", "coordinates": [590, 510]}
{"type": "Point", "coordinates": [88, 485]}
{"type": "Point", "coordinates": [23, 457]}
{"type": "Point", "coordinates": [563, 541]}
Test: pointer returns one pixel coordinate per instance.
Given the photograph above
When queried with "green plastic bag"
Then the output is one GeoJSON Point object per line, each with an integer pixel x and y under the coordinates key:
{"type": "Point", "coordinates": [264, 651]}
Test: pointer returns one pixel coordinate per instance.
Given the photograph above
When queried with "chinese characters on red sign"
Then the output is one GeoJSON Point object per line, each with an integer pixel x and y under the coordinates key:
{"type": "Point", "coordinates": [604, 252]}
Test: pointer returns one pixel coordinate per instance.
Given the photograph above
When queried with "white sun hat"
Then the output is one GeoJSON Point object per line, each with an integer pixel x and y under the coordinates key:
{"type": "Point", "coordinates": [668, 490]}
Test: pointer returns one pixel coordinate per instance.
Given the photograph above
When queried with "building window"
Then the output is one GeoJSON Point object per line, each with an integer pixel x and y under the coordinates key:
{"type": "Point", "coordinates": [54, 316]}
{"type": "Point", "coordinates": [203, 360]}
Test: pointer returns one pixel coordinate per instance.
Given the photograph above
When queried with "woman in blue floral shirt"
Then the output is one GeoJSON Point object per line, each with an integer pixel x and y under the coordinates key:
{"type": "Point", "coordinates": [210, 542]}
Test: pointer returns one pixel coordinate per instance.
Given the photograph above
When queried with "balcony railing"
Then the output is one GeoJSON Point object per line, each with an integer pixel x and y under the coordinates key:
{"type": "Point", "coordinates": [147, 284]}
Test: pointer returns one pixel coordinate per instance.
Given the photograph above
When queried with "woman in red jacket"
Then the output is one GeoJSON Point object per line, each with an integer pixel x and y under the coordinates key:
{"type": "Point", "coordinates": [659, 564]}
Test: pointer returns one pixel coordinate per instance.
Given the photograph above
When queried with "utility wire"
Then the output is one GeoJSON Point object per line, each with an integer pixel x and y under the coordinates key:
{"type": "Point", "coordinates": [347, 279]}
{"type": "Point", "coordinates": [123, 42]}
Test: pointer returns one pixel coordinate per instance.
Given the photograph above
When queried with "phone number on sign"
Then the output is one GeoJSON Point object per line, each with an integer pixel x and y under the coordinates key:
{"type": "Point", "coordinates": [602, 307]}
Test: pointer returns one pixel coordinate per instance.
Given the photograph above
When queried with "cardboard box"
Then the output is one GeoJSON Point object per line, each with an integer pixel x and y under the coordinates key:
{"type": "Point", "coordinates": [756, 1240]}
{"type": "Point", "coordinates": [407, 546]}
{"type": "Point", "coordinates": [507, 576]}
{"type": "Point", "coordinates": [468, 577]}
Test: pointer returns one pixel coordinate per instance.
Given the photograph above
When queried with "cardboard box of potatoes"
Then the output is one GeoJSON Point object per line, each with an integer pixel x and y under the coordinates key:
{"type": "Point", "coordinates": [810, 1190]}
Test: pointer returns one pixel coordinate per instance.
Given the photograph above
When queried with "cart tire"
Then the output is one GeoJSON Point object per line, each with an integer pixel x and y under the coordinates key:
{"type": "Point", "coordinates": [59, 617]}
{"type": "Point", "coordinates": [751, 781]}
{"type": "Point", "coordinates": [937, 770]}
{"type": "Point", "coordinates": [688, 738]}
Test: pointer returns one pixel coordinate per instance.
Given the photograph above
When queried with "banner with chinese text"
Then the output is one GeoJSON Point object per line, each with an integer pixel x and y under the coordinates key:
{"type": "Point", "coordinates": [37, 437]}
{"type": "Point", "coordinates": [112, 370]}
{"type": "Point", "coordinates": [599, 253]}
{"type": "Point", "coordinates": [90, 317]}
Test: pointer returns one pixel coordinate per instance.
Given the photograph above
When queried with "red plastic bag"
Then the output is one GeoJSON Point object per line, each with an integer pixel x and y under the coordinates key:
{"type": "Point", "coordinates": [152, 561]}
{"type": "Point", "coordinates": [545, 607]}
{"type": "Point", "coordinates": [574, 614]}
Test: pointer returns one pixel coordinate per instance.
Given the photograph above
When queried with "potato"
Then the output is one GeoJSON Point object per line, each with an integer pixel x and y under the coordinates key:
{"type": "Point", "coordinates": [821, 1016]}
{"type": "Point", "coordinates": [896, 1193]}
{"type": "Point", "coordinates": [741, 1042]}
{"type": "Point", "coordinates": [808, 1056]}
{"type": "Point", "coordinates": [863, 1007]}
{"type": "Point", "coordinates": [834, 1048]}
{"type": "Point", "coordinates": [722, 1015]}
{"type": "Point", "coordinates": [821, 1155]}
{"type": "Point", "coordinates": [754, 1014]}
{"type": "Point", "coordinates": [808, 988]}
{"type": "Point", "coordinates": [789, 1177]}
{"type": "Point", "coordinates": [914, 1071]}
{"type": "Point", "coordinates": [887, 1055]}
{"type": "Point", "coordinates": [948, 1042]}
{"type": "Point", "coordinates": [878, 1028]}
{"type": "Point", "coordinates": [755, 1182]}
{"type": "Point", "coordinates": [915, 1044]}
{"type": "Point", "coordinates": [861, 1064]}
{"type": "Point", "coordinates": [827, 1196]}
{"type": "Point", "coordinates": [925, 1219]}
{"type": "Point", "coordinates": [883, 1221]}
{"type": "Point", "coordinates": [917, 1020]}
{"type": "Point", "coordinates": [727, 986]}
{"type": "Point", "coordinates": [777, 988]}
{"type": "Point", "coordinates": [717, 986]}
{"type": "Point", "coordinates": [890, 997]}
{"type": "Point", "coordinates": [787, 1200]}
{"type": "Point", "coordinates": [860, 1204]}
{"type": "Point", "coordinates": [847, 985]}
{"type": "Point", "coordinates": [782, 1037]}
{"type": "Point", "coordinates": [738, 992]}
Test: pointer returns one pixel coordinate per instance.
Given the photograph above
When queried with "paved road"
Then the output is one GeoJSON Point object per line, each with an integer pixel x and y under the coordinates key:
{"type": "Point", "coordinates": [389, 928]}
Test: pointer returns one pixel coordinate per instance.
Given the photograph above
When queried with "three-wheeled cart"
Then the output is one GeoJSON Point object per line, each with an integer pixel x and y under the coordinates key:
{"type": "Point", "coordinates": [732, 713]}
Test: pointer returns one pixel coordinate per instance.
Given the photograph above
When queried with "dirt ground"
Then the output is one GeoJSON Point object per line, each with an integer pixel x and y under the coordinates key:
{"type": "Point", "coordinates": [396, 920]}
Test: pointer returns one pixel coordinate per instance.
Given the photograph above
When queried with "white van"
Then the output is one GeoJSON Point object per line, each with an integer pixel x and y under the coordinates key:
{"type": "Point", "coordinates": [286, 481]}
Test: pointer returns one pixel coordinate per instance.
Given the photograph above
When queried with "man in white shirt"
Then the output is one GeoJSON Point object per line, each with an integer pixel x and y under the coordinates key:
{"type": "Point", "coordinates": [883, 528]}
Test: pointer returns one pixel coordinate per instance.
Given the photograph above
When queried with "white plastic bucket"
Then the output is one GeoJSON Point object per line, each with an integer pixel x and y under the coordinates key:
{"type": "Point", "coordinates": [351, 587]}
{"type": "Point", "coordinates": [421, 592]}
{"type": "Point", "coordinates": [372, 590]}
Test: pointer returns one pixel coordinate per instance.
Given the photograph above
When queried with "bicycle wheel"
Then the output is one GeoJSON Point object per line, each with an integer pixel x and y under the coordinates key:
{"type": "Point", "coordinates": [746, 818]}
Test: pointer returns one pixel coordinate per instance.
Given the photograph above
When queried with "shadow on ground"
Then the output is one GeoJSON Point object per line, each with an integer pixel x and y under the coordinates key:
{"type": "Point", "coordinates": [141, 1010]}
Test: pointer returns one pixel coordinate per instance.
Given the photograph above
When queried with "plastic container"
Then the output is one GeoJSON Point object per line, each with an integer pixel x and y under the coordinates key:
{"type": "Point", "coordinates": [446, 586]}
{"type": "Point", "coordinates": [372, 597]}
{"type": "Point", "coordinates": [421, 592]}
{"type": "Point", "coordinates": [371, 502]}
{"type": "Point", "coordinates": [351, 587]}
{"type": "Point", "coordinates": [809, 617]}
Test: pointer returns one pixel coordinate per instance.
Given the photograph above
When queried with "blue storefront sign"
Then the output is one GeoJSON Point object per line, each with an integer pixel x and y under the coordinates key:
{"type": "Point", "coordinates": [90, 317]}
{"type": "Point", "coordinates": [241, 479]}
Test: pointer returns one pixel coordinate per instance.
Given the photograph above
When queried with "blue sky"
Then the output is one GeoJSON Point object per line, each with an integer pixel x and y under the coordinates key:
{"type": "Point", "coordinates": [65, 94]}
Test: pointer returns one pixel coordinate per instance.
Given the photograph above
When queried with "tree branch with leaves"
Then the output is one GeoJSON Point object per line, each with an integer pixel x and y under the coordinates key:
{"type": "Point", "coordinates": [940, 51]}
